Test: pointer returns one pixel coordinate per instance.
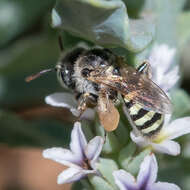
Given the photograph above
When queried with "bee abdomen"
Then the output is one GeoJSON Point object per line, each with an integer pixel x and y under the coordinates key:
{"type": "Point", "coordinates": [148, 123]}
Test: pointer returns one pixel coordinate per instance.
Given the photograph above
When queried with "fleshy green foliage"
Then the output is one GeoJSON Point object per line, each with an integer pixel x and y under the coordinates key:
{"type": "Point", "coordinates": [13, 72]}
{"type": "Point", "coordinates": [181, 103]}
{"type": "Point", "coordinates": [100, 183]}
{"type": "Point", "coordinates": [82, 185]}
{"type": "Point", "coordinates": [78, 186]}
{"type": "Point", "coordinates": [183, 28]}
{"type": "Point", "coordinates": [107, 23]}
{"type": "Point", "coordinates": [43, 133]}
{"type": "Point", "coordinates": [133, 166]}
{"type": "Point", "coordinates": [134, 7]}
{"type": "Point", "coordinates": [18, 16]}
{"type": "Point", "coordinates": [126, 155]}
{"type": "Point", "coordinates": [106, 168]}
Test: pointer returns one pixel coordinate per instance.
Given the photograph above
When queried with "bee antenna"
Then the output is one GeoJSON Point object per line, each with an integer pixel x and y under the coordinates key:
{"type": "Point", "coordinates": [32, 77]}
{"type": "Point", "coordinates": [60, 43]}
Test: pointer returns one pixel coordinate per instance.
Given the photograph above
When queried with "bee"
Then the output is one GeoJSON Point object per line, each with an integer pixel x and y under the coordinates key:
{"type": "Point", "coordinates": [99, 79]}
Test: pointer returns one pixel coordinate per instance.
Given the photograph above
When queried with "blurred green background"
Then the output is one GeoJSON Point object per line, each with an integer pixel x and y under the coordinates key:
{"type": "Point", "coordinates": [29, 44]}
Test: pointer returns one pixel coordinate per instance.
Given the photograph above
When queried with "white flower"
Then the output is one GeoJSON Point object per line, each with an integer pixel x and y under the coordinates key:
{"type": "Point", "coordinates": [146, 177]}
{"type": "Point", "coordinates": [163, 142]}
{"type": "Point", "coordinates": [67, 100]}
{"type": "Point", "coordinates": [164, 74]}
{"type": "Point", "coordinates": [81, 158]}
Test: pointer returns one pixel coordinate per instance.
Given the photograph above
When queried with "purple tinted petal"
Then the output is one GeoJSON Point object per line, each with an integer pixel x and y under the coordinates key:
{"type": "Point", "coordinates": [65, 100]}
{"type": "Point", "coordinates": [62, 156]}
{"type": "Point", "coordinates": [177, 128]}
{"type": "Point", "coordinates": [94, 148]}
{"type": "Point", "coordinates": [124, 180]}
{"type": "Point", "coordinates": [167, 147]}
{"type": "Point", "coordinates": [161, 57]}
{"type": "Point", "coordinates": [161, 60]}
{"type": "Point", "coordinates": [72, 174]}
{"type": "Point", "coordinates": [170, 79]}
{"type": "Point", "coordinates": [139, 140]}
{"type": "Point", "coordinates": [148, 172]}
{"type": "Point", "coordinates": [89, 114]}
{"type": "Point", "coordinates": [163, 186]}
{"type": "Point", "coordinates": [167, 119]}
{"type": "Point", "coordinates": [78, 141]}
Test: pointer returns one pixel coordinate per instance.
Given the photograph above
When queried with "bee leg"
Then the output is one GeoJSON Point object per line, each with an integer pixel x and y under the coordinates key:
{"type": "Point", "coordinates": [145, 69]}
{"type": "Point", "coordinates": [82, 103]}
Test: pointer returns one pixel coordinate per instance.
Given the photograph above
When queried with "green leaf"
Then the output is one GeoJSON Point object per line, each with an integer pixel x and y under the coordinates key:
{"type": "Point", "coordinates": [122, 133]}
{"type": "Point", "coordinates": [182, 29]}
{"type": "Point", "coordinates": [43, 133]}
{"type": "Point", "coordinates": [71, 41]}
{"type": "Point", "coordinates": [103, 22]}
{"type": "Point", "coordinates": [175, 170]}
{"type": "Point", "coordinates": [87, 128]}
{"type": "Point", "coordinates": [181, 103]}
{"type": "Point", "coordinates": [18, 15]}
{"type": "Point", "coordinates": [166, 13]}
{"type": "Point", "coordinates": [106, 168]}
{"type": "Point", "coordinates": [134, 7]}
{"type": "Point", "coordinates": [111, 144]}
{"type": "Point", "coordinates": [99, 183]}
{"type": "Point", "coordinates": [134, 165]}
{"type": "Point", "coordinates": [126, 155]}
{"type": "Point", "coordinates": [77, 186]}
{"type": "Point", "coordinates": [28, 56]}
{"type": "Point", "coordinates": [83, 184]}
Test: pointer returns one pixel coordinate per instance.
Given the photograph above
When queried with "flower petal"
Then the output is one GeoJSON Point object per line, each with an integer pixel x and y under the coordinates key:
{"type": "Point", "coordinates": [72, 174]}
{"type": "Point", "coordinates": [62, 156]}
{"type": "Point", "coordinates": [148, 172]}
{"type": "Point", "coordinates": [170, 79]}
{"type": "Point", "coordinates": [124, 180]}
{"type": "Point", "coordinates": [89, 114]}
{"type": "Point", "coordinates": [167, 119]}
{"type": "Point", "coordinates": [94, 148]}
{"type": "Point", "coordinates": [78, 141]}
{"type": "Point", "coordinates": [167, 147]}
{"type": "Point", "coordinates": [139, 140]}
{"type": "Point", "coordinates": [177, 128]}
{"type": "Point", "coordinates": [61, 99]}
{"type": "Point", "coordinates": [164, 186]}
{"type": "Point", "coordinates": [65, 100]}
{"type": "Point", "coordinates": [160, 59]}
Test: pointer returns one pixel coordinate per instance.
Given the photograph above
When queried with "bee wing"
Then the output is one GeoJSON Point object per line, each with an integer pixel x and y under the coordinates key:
{"type": "Point", "coordinates": [108, 114]}
{"type": "Point", "coordinates": [145, 92]}
{"type": "Point", "coordinates": [139, 88]}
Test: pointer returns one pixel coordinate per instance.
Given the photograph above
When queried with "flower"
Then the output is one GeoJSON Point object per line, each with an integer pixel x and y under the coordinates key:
{"type": "Point", "coordinates": [163, 142]}
{"type": "Point", "coordinates": [80, 159]}
{"type": "Point", "coordinates": [67, 100]}
{"type": "Point", "coordinates": [146, 177]}
{"type": "Point", "coordinates": [164, 74]}
{"type": "Point", "coordinates": [161, 61]}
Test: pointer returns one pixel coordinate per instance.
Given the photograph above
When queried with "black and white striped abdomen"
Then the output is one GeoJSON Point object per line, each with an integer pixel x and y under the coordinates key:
{"type": "Point", "coordinates": [148, 123]}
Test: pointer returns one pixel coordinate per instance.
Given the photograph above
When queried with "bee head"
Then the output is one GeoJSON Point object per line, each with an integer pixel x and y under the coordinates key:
{"type": "Point", "coordinates": [93, 62]}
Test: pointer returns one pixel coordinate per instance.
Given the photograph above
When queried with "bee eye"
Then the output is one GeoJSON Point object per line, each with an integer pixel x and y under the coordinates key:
{"type": "Point", "coordinates": [85, 72]}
